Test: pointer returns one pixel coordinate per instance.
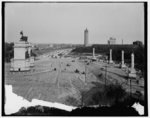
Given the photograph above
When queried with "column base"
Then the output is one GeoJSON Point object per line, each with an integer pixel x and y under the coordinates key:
{"type": "Point", "coordinates": [123, 66]}
{"type": "Point", "coordinates": [94, 58]}
{"type": "Point", "coordinates": [31, 64]}
{"type": "Point", "coordinates": [111, 62]}
{"type": "Point", "coordinates": [132, 73]}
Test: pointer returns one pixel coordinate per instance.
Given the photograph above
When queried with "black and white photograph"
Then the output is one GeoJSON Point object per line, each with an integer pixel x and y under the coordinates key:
{"type": "Point", "coordinates": [74, 58]}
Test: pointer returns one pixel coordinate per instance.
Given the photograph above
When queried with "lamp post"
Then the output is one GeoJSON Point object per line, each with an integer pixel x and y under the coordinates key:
{"type": "Point", "coordinates": [106, 71]}
{"type": "Point", "coordinates": [130, 84]}
{"type": "Point", "coordinates": [105, 74]}
{"type": "Point", "coordinates": [85, 73]}
{"type": "Point", "coordinates": [130, 88]}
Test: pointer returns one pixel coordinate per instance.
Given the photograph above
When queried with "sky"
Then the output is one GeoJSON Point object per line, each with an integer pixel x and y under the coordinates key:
{"type": "Point", "coordinates": [66, 22]}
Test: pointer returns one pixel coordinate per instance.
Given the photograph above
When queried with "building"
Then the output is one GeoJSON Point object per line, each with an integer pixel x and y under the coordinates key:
{"type": "Point", "coordinates": [112, 41]}
{"type": "Point", "coordinates": [86, 37]}
{"type": "Point", "coordinates": [22, 60]}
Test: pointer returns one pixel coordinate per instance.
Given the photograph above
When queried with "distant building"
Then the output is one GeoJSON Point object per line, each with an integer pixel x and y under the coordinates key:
{"type": "Point", "coordinates": [51, 45]}
{"type": "Point", "coordinates": [86, 37]}
{"type": "Point", "coordinates": [139, 43]}
{"type": "Point", "coordinates": [112, 41]}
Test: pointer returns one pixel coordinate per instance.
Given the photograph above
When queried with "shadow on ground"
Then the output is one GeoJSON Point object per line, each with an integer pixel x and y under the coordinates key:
{"type": "Point", "coordinates": [111, 100]}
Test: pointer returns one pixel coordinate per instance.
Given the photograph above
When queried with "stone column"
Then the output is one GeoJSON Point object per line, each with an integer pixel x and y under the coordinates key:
{"type": "Point", "coordinates": [110, 57]}
{"type": "Point", "coordinates": [132, 71]}
{"type": "Point", "coordinates": [93, 52]}
{"type": "Point", "coordinates": [132, 61]}
{"type": "Point", "coordinates": [122, 60]}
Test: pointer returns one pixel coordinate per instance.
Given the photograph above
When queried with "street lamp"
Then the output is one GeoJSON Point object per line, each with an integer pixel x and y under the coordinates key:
{"type": "Point", "coordinates": [106, 71]}
{"type": "Point", "coordinates": [85, 71]}
{"type": "Point", "coordinates": [130, 84]}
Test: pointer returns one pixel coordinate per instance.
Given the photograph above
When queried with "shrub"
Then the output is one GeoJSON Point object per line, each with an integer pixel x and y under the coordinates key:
{"type": "Point", "coordinates": [9, 51]}
{"type": "Point", "coordinates": [68, 65]}
{"type": "Point", "coordinates": [115, 91]}
{"type": "Point", "coordinates": [76, 71]}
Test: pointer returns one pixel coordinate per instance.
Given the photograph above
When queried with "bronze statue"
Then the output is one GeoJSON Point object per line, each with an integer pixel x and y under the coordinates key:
{"type": "Point", "coordinates": [23, 38]}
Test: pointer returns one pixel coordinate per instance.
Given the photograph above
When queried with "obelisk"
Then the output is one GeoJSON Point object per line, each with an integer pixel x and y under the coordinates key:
{"type": "Point", "coordinates": [132, 71]}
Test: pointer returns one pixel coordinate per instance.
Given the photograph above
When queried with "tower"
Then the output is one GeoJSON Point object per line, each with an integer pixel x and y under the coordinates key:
{"type": "Point", "coordinates": [86, 37]}
{"type": "Point", "coordinates": [21, 60]}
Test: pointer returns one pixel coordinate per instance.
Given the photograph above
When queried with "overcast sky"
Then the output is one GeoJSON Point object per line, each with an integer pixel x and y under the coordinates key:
{"type": "Point", "coordinates": [66, 22]}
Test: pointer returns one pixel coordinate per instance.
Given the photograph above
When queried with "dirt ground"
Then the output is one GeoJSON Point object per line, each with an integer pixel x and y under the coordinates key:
{"type": "Point", "coordinates": [55, 79]}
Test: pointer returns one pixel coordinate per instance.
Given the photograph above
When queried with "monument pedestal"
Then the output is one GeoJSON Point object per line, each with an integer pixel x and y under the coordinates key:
{"type": "Point", "coordinates": [31, 61]}
{"type": "Point", "coordinates": [132, 73]}
{"type": "Point", "coordinates": [123, 66]}
{"type": "Point", "coordinates": [111, 62]}
{"type": "Point", "coordinates": [22, 54]}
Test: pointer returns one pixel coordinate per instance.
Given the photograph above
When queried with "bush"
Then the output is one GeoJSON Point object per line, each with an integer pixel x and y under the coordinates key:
{"type": "Point", "coordinates": [76, 71]}
{"type": "Point", "coordinates": [104, 95]}
{"type": "Point", "coordinates": [68, 65]}
{"type": "Point", "coordinates": [100, 75]}
{"type": "Point", "coordinates": [9, 51]}
{"type": "Point", "coordinates": [115, 91]}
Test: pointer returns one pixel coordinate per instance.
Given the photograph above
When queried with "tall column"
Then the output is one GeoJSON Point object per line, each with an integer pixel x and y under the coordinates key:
{"type": "Point", "coordinates": [132, 61]}
{"type": "Point", "coordinates": [93, 52]}
{"type": "Point", "coordinates": [110, 57]}
{"type": "Point", "coordinates": [132, 70]}
{"type": "Point", "coordinates": [122, 60]}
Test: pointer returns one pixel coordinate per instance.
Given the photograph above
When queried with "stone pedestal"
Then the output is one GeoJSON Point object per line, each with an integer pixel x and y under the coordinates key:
{"type": "Point", "coordinates": [132, 73]}
{"type": "Point", "coordinates": [123, 66]}
{"type": "Point", "coordinates": [32, 61]}
{"type": "Point", "coordinates": [20, 62]}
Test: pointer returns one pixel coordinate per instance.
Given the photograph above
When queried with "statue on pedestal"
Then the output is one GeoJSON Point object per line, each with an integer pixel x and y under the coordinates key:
{"type": "Point", "coordinates": [23, 38]}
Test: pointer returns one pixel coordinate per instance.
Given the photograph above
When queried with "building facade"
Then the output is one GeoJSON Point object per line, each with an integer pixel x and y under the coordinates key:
{"type": "Point", "coordinates": [112, 41]}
